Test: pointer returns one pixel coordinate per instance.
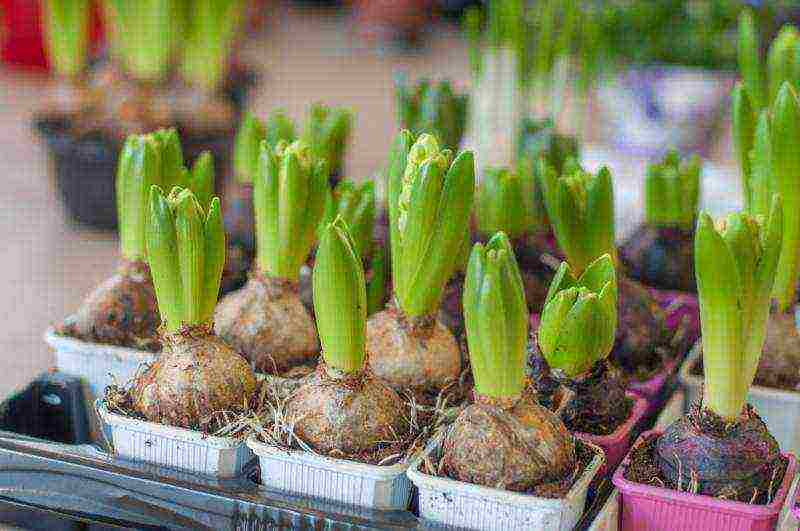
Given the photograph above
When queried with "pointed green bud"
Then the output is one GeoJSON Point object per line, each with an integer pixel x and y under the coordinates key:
{"type": "Point", "coordinates": [744, 125]}
{"type": "Point", "coordinates": [66, 29]}
{"type": "Point", "coordinates": [327, 132]}
{"type": "Point", "coordinates": [202, 178]}
{"type": "Point", "coordinates": [580, 206]}
{"type": "Point", "coordinates": [186, 253]}
{"type": "Point", "coordinates": [429, 216]}
{"type": "Point", "coordinates": [579, 321]}
{"type": "Point", "coordinates": [749, 59]}
{"type": "Point", "coordinates": [782, 59]}
{"type": "Point", "coordinates": [433, 108]}
{"type": "Point", "coordinates": [340, 299]}
{"type": "Point", "coordinates": [785, 136]}
{"type": "Point", "coordinates": [356, 205]}
{"type": "Point", "coordinates": [496, 319]}
{"type": "Point", "coordinates": [672, 192]}
{"type": "Point", "coordinates": [289, 195]}
{"type": "Point", "coordinates": [171, 155]}
{"type": "Point", "coordinates": [763, 184]}
{"type": "Point", "coordinates": [506, 202]}
{"type": "Point", "coordinates": [137, 171]}
{"type": "Point", "coordinates": [247, 147]}
{"type": "Point", "coordinates": [735, 265]}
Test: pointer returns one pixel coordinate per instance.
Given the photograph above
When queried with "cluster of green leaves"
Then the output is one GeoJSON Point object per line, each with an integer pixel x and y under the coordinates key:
{"type": "Point", "coordinates": [289, 193]}
{"type": "Point", "coordinates": [580, 206]}
{"type": "Point", "coordinates": [66, 30]}
{"type": "Point", "coordinates": [186, 253]}
{"type": "Point", "coordinates": [429, 207]}
{"type": "Point", "coordinates": [340, 299]}
{"type": "Point", "coordinates": [579, 319]}
{"type": "Point", "coordinates": [766, 130]}
{"type": "Point", "coordinates": [506, 201]}
{"type": "Point", "coordinates": [154, 159]}
{"type": "Point", "coordinates": [149, 36]}
{"type": "Point", "coordinates": [496, 319]}
{"type": "Point", "coordinates": [539, 139]}
{"type": "Point", "coordinates": [672, 192]}
{"type": "Point", "coordinates": [432, 108]}
{"type": "Point", "coordinates": [326, 131]}
{"type": "Point", "coordinates": [735, 266]}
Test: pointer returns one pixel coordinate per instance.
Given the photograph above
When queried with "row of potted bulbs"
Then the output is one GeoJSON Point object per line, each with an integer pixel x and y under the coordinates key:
{"type": "Point", "coordinates": [361, 399]}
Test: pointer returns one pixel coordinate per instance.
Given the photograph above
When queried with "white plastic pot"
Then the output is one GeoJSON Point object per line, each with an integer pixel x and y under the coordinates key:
{"type": "Point", "coordinates": [338, 480]}
{"type": "Point", "coordinates": [455, 504]}
{"type": "Point", "coordinates": [178, 448]}
{"type": "Point", "coordinates": [95, 362]}
{"type": "Point", "coordinates": [780, 409]}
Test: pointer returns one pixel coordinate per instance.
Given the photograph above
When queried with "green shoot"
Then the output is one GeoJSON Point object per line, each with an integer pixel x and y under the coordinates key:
{"type": "Point", "coordinates": [506, 201]}
{"type": "Point", "coordinates": [579, 320]}
{"type": "Point", "coordinates": [672, 192]}
{"type": "Point", "coordinates": [186, 253]}
{"type": "Point", "coordinates": [429, 206]}
{"type": "Point", "coordinates": [210, 33]}
{"type": "Point", "coordinates": [340, 299]}
{"type": "Point", "coordinates": [356, 206]}
{"type": "Point", "coordinates": [66, 29]}
{"type": "Point", "coordinates": [289, 200]}
{"type": "Point", "coordinates": [496, 319]}
{"type": "Point", "coordinates": [735, 266]}
{"type": "Point", "coordinates": [580, 206]}
{"type": "Point", "coordinates": [432, 108]}
{"type": "Point", "coordinates": [327, 130]}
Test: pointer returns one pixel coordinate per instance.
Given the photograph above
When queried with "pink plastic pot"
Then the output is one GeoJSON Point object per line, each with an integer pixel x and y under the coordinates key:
{"type": "Point", "coordinates": [618, 443]}
{"type": "Point", "coordinates": [796, 505]}
{"type": "Point", "coordinates": [653, 508]}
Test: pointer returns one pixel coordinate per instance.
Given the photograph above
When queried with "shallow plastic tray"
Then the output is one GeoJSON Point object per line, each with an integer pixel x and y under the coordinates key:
{"type": "Point", "coordinates": [338, 480]}
{"type": "Point", "coordinates": [779, 409]}
{"type": "Point", "coordinates": [454, 504]}
{"type": "Point", "coordinates": [172, 447]}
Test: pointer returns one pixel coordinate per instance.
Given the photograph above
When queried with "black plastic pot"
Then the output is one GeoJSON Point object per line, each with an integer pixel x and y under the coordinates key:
{"type": "Point", "coordinates": [84, 167]}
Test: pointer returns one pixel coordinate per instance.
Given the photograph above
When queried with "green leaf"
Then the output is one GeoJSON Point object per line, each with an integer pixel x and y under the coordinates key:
{"type": "Point", "coordinates": [214, 231]}
{"type": "Point", "coordinates": [396, 167]}
{"type": "Point", "coordinates": [202, 179]}
{"type": "Point", "coordinates": [781, 59]}
{"type": "Point", "coordinates": [786, 167]}
{"type": "Point", "coordinates": [340, 299]}
{"type": "Point", "coordinates": [265, 206]}
{"type": "Point", "coordinates": [376, 287]}
{"type": "Point", "coordinates": [66, 29]}
{"type": "Point", "coordinates": [744, 126]}
{"type": "Point", "coordinates": [191, 255]}
{"type": "Point", "coordinates": [162, 255]}
{"type": "Point", "coordinates": [749, 58]}
{"type": "Point", "coordinates": [137, 172]}
{"type": "Point", "coordinates": [248, 147]}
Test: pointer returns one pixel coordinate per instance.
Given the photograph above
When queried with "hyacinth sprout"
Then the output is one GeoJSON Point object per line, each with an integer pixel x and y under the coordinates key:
{"type": "Point", "coordinates": [672, 192]}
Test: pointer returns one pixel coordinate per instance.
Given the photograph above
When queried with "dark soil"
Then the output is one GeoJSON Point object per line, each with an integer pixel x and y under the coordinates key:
{"type": "Point", "coordinates": [644, 469]}
{"type": "Point", "coordinates": [644, 343]}
{"type": "Point", "coordinates": [599, 406]}
{"type": "Point", "coordinates": [434, 466]}
{"type": "Point", "coordinates": [661, 257]}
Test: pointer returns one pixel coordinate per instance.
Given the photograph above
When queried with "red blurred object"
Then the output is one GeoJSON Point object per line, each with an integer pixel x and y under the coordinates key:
{"type": "Point", "coordinates": [388, 20]}
{"type": "Point", "coordinates": [21, 38]}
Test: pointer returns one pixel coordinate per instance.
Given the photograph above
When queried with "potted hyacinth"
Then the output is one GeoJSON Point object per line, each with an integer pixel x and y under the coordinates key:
{"type": "Point", "coordinates": [169, 66]}
{"type": "Point", "coordinates": [197, 383]}
{"type": "Point", "coordinates": [718, 465]}
{"type": "Point", "coordinates": [265, 320]}
{"type": "Point", "coordinates": [659, 252]}
{"type": "Point", "coordinates": [575, 337]}
{"type": "Point", "coordinates": [580, 206]}
{"type": "Point", "coordinates": [506, 459]}
{"type": "Point", "coordinates": [429, 199]}
{"type": "Point", "coordinates": [342, 423]}
{"type": "Point", "coordinates": [115, 329]}
{"type": "Point", "coordinates": [774, 163]}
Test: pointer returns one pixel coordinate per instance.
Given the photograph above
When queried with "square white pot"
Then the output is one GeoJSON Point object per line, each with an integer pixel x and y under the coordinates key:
{"type": "Point", "coordinates": [178, 448]}
{"type": "Point", "coordinates": [457, 505]}
{"type": "Point", "coordinates": [338, 480]}
{"type": "Point", "coordinates": [779, 409]}
{"type": "Point", "coordinates": [96, 362]}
